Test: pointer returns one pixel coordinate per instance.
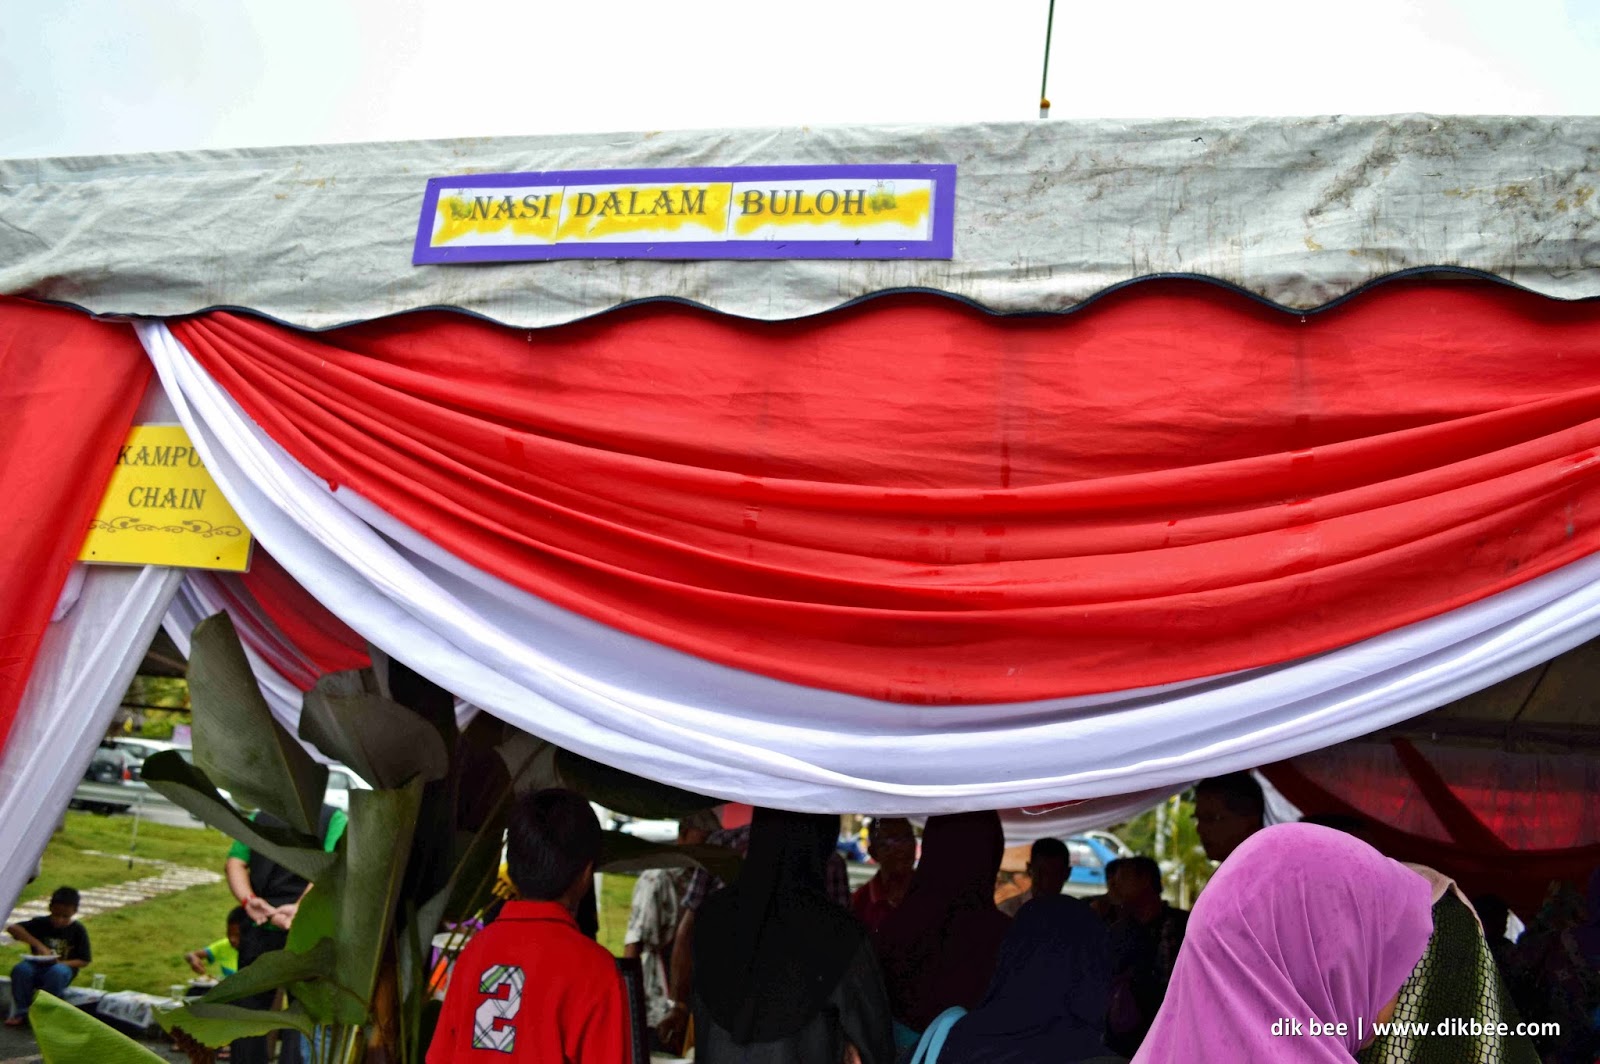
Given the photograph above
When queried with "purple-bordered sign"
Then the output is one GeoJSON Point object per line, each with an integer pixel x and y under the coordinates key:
{"type": "Point", "coordinates": [894, 211]}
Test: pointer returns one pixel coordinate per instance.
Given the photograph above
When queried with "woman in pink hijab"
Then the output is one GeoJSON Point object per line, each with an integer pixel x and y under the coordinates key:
{"type": "Point", "coordinates": [1301, 925]}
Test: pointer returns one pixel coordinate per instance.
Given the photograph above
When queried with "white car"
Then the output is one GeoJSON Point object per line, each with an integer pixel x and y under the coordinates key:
{"type": "Point", "coordinates": [341, 781]}
{"type": "Point", "coordinates": [662, 831]}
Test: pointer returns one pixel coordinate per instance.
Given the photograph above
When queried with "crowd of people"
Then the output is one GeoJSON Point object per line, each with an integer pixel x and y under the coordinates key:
{"type": "Point", "coordinates": [1307, 944]}
{"type": "Point", "coordinates": [1304, 945]}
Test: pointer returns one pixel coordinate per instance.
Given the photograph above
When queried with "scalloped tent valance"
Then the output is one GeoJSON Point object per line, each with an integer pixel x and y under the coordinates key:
{"type": "Point", "coordinates": [1299, 212]}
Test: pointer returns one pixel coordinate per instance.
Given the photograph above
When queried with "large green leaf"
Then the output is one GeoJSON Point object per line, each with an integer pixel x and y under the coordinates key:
{"type": "Point", "coordinates": [485, 800]}
{"type": "Point", "coordinates": [317, 918]}
{"type": "Point", "coordinates": [377, 846]}
{"type": "Point", "coordinates": [237, 742]}
{"type": "Point", "coordinates": [434, 707]}
{"type": "Point", "coordinates": [67, 1035]}
{"type": "Point", "coordinates": [186, 786]}
{"type": "Point", "coordinates": [217, 1025]}
{"type": "Point", "coordinates": [622, 853]}
{"type": "Point", "coordinates": [411, 958]}
{"type": "Point", "coordinates": [316, 925]}
{"type": "Point", "coordinates": [425, 698]}
{"type": "Point", "coordinates": [385, 743]}
{"type": "Point", "coordinates": [272, 971]}
{"type": "Point", "coordinates": [484, 779]}
{"type": "Point", "coordinates": [624, 792]}
{"type": "Point", "coordinates": [476, 870]}
{"type": "Point", "coordinates": [464, 894]}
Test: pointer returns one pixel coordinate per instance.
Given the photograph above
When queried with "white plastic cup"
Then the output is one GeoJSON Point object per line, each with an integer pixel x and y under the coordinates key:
{"type": "Point", "coordinates": [178, 991]}
{"type": "Point", "coordinates": [99, 981]}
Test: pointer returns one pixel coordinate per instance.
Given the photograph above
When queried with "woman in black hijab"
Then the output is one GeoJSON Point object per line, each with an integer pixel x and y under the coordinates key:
{"type": "Point", "coordinates": [940, 946]}
{"type": "Point", "coordinates": [783, 975]}
{"type": "Point", "coordinates": [1047, 1003]}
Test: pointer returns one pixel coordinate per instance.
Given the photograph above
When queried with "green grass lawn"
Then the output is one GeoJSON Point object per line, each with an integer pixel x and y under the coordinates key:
{"type": "Point", "coordinates": [197, 847]}
{"type": "Point", "coordinates": [70, 868]}
{"type": "Point", "coordinates": [137, 947]}
{"type": "Point", "coordinates": [616, 898]}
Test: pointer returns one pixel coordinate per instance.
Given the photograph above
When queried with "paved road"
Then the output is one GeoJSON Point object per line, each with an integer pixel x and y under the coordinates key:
{"type": "Point", "coordinates": [150, 805]}
{"type": "Point", "coordinates": [17, 1045]}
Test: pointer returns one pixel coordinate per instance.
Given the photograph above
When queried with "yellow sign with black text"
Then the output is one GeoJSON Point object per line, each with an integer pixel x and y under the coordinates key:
{"type": "Point", "coordinates": [867, 211]}
{"type": "Point", "coordinates": [163, 508]}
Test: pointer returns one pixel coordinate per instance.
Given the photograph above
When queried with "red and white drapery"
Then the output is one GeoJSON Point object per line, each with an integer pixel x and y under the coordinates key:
{"type": "Point", "coordinates": [908, 557]}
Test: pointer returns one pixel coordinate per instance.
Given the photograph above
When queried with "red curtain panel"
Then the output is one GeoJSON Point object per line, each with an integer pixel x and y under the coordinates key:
{"type": "Point", "coordinates": [326, 642]}
{"type": "Point", "coordinates": [913, 500]}
{"type": "Point", "coordinates": [69, 387]}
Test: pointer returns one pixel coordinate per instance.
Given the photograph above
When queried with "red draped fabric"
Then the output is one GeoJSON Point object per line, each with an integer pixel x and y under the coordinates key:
{"type": "Point", "coordinates": [69, 387]}
{"type": "Point", "coordinates": [324, 641]}
{"type": "Point", "coordinates": [293, 633]}
{"type": "Point", "coordinates": [1505, 823]}
{"type": "Point", "coordinates": [912, 500]}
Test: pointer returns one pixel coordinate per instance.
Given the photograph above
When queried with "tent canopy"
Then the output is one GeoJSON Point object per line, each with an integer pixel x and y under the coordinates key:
{"type": "Point", "coordinates": [1300, 212]}
{"type": "Point", "coordinates": [905, 557]}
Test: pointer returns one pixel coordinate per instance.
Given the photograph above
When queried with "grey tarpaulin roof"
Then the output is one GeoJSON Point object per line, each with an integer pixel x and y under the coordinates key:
{"type": "Point", "coordinates": [1048, 214]}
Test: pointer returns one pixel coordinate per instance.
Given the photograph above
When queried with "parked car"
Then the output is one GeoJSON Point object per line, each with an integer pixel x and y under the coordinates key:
{"type": "Point", "coordinates": [1090, 853]}
{"type": "Point", "coordinates": [107, 786]}
{"type": "Point", "coordinates": [138, 749]}
{"type": "Point", "coordinates": [662, 831]}
{"type": "Point", "coordinates": [341, 781]}
{"type": "Point", "coordinates": [109, 766]}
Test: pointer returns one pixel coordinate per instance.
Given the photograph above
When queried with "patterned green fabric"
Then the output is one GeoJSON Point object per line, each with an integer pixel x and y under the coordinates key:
{"type": "Point", "coordinates": [1456, 979]}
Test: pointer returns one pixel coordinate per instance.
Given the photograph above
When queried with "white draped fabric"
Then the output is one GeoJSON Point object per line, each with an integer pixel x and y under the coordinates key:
{"type": "Point", "coordinates": [669, 716]}
{"type": "Point", "coordinates": [195, 601]}
{"type": "Point", "coordinates": [87, 659]}
{"type": "Point", "coordinates": [1060, 821]}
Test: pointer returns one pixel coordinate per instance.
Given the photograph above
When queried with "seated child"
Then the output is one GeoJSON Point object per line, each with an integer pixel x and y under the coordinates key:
{"type": "Point", "coordinates": [224, 952]}
{"type": "Point", "coordinates": [60, 940]}
{"type": "Point", "coordinates": [530, 987]}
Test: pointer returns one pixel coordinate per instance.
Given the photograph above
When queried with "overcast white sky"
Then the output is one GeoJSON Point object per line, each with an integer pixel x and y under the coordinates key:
{"type": "Point", "coordinates": [94, 76]}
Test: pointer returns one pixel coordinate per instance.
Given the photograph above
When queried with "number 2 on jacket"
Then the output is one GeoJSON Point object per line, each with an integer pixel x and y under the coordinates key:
{"type": "Point", "coordinates": [493, 1025]}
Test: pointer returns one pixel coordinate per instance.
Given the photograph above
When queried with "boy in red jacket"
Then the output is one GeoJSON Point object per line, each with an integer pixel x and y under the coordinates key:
{"type": "Point", "coordinates": [530, 988]}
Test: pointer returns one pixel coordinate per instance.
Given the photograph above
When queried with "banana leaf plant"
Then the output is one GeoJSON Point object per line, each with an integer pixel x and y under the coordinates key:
{"type": "Point", "coordinates": [422, 848]}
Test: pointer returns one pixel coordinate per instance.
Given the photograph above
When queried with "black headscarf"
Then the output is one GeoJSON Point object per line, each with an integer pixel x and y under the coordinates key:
{"type": "Point", "coordinates": [1047, 1003]}
{"type": "Point", "coordinates": [939, 947]}
{"type": "Point", "coordinates": [769, 950]}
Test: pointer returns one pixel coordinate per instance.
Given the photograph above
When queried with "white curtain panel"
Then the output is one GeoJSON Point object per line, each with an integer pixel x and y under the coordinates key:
{"type": "Point", "coordinates": [84, 665]}
{"type": "Point", "coordinates": [672, 717]}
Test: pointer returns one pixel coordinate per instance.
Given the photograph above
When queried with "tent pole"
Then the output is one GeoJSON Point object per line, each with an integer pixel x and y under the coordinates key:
{"type": "Point", "coordinates": [133, 842]}
{"type": "Point", "coordinates": [1044, 80]}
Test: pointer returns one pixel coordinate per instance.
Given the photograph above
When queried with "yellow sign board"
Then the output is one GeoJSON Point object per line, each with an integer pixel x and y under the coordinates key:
{"type": "Point", "coordinates": [870, 211]}
{"type": "Point", "coordinates": [163, 508]}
